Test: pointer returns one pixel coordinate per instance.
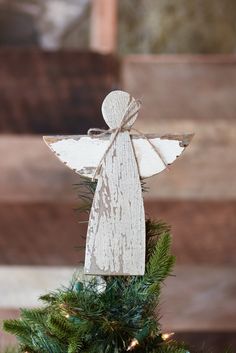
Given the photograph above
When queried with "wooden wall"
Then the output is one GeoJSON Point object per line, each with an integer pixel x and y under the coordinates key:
{"type": "Point", "coordinates": [61, 93]}
{"type": "Point", "coordinates": [53, 92]}
{"type": "Point", "coordinates": [198, 195]}
{"type": "Point", "coordinates": [45, 93]}
{"type": "Point", "coordinates": [180, 94]}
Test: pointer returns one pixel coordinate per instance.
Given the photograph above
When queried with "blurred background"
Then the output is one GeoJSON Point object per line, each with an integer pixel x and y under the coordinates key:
{"type": "Point", "coordinates": [58, 60]}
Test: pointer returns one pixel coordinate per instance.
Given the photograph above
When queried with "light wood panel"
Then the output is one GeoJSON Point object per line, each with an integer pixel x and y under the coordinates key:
{"type": "Point", "coordinates": [182, 87]}
{"type": "Point", "coordinates": [189, 94]}
{"type": "Point", "coordinates": [29, 172]}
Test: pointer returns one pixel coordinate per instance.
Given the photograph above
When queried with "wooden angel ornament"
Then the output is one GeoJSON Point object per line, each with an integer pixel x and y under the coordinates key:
{"type": "Point", "coordinates": [118, 160]}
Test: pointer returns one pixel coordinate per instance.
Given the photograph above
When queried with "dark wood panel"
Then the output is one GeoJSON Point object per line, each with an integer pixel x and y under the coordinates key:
{"type": "Point", "coordinates": [212, 342]}
{"type": "Point", "coordinates": [40, 234]}
{"type": "Point", "coordinates": [203, 231]}
{"type": "Point", "coordinates": [48, 233]}
{"type": "Point", "coordinates": [32, 173]}
{"type": "Point", "coordinates": [53, 92]}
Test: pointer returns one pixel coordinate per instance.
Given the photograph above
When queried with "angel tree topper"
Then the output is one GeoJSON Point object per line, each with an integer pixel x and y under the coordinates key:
{"type": "Point", "coordinates": [118, 160]}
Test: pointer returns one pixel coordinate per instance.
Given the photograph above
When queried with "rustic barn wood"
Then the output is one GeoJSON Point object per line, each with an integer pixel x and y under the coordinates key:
{"type": "Point", "coordinates": [44, 92]}
{"type": "Point", "coordinates": [30, 174]}
{"type": "Point", "coordinates": [199, 232]}
{"type": "Point", "coordinates": [116, 230]}
{"type": "Point", "coordinates": [195, 88]}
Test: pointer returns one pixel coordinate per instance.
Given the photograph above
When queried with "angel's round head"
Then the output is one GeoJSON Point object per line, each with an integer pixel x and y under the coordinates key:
{"type": "Point", "coordinates": [118, 104]}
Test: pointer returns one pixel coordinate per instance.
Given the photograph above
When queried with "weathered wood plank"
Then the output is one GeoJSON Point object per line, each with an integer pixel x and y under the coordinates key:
{"type": "Point", "coordinates": [214, 341]}
{"type": "Point", "coordinates": [31, 173]}
{"type": "Point", "coordinates": [116, 230]}
{"type": "Point", "coordinates": [45, 234]}
{"type": "Point", "coordinates": [203, 232]}
{"type": "Point", "coordinates": [203, 290]}
{"type": "Point", "coordinates": [82, 153]}
{"type": "Point", "coordinates": [182, 87]}
{"type": "Point", "coordinates": [53, 92]}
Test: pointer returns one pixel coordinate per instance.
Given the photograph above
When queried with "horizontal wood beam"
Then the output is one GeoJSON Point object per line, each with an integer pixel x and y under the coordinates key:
{"type": "Point", "coordinates": [31, 173]}
{"type": "Point", "coordinates": [49, 233]}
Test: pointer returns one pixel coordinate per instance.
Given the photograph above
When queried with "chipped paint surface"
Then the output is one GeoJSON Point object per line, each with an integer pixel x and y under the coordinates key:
{"type": "Point", "coordinates": [116, 231]}
{"type": "Point", "coordinates": [149, 163]}
{"type": "Point", "coordinates": [83, 153]}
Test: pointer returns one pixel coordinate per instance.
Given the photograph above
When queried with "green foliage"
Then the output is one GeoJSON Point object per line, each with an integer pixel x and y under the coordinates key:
{"type": "Point", "coordinates": [102, 314]}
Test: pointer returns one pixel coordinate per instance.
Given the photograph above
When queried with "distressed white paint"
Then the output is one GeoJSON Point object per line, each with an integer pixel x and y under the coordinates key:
{"type": "Point", "coordinates": [80, 153]}
{"type": "Point", "coordinates": [149, 162]}
{"type": "Point", "coordinates": [116, 231]}
{"type": "Point", "coordinates": [83, 153]}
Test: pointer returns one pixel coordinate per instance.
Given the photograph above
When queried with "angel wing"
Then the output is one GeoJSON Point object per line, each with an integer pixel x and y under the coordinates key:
{"type": "Point", "coordinates": [82, 153]}
{"type": "Point", "coordinates": [169, 147]}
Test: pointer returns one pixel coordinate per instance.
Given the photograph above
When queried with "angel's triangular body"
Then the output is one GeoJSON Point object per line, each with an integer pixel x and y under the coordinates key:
{"type": "Point", "coordinates": [117, 247]}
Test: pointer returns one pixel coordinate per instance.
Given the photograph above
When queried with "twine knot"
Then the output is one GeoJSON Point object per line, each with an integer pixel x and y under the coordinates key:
{"type": "Point", "coordinates": [128, 116]}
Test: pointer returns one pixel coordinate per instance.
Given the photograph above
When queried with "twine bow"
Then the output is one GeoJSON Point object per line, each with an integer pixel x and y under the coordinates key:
{"type": "Point", "coordinates": [128, 115]}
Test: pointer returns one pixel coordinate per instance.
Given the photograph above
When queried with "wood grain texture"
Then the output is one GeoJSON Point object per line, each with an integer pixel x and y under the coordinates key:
{"type": "Point", "coordinates": [53, 92]}
{"type": "Point", "coordinates": [182, 87]}
{"type": "Point", "coordinates": [49, 233]}
{"type": "Point", "coordinates": [82, 153]}
{"type": "Point", "coordinates": [31, 174]}
{"type": "Point", "coordinates": [116, 231]}
{"type": "Point", "coordinates": [198, 94]}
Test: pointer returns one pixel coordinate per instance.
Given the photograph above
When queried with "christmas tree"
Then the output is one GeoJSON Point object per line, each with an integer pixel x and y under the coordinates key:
{"type": "Point", "coordinates": [105, 314]}
{"type": "Point", "coordinates": [114, 311]}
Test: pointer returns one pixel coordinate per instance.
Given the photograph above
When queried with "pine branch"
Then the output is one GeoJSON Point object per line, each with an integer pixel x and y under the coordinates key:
{"type": "Point", "coordinates": [94, 318]}
{"type": "Point", "coordinates": [18, 328]}
{"type": "Point", "coordinates": [85, 189]}
{"type": "Point", "coordinates": [33, 316]}
{"type": "Point", "coordinates": [75, 344]}
{"type": "Point", "coordinates": [161, 262]}
{"type": "Point", "coordinates": [159, 266]}
{"type": "Point", "coordinates": [154, 229]}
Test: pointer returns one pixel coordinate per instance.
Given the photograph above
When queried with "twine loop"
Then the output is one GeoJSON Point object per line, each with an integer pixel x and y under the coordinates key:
{"type": "Point", "coordinates": [128, 115]}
